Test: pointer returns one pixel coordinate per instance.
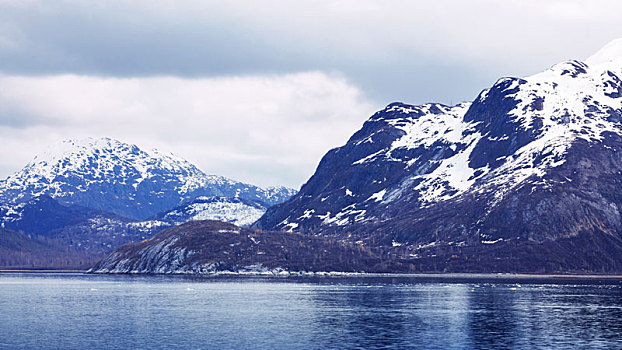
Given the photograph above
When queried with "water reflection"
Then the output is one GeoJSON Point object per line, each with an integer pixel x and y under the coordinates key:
{"type": "Point", "coordinates": [391, 315]}
{"type": "Point", "coordinates": [470, 315]}
{"type": "Point", "coordinates": [493, 316]}
{"type": "Point", "coordinates": [115, 312]}
{"type": "Point", "coordinates": [355, 312]}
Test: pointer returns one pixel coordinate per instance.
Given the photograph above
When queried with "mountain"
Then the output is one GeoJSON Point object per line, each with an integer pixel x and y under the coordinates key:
{"type": "Point", "coordinates": [238, 211]}
{"type": "Point", "coordinates": [526, 177]}
{"type": "Point", "coordinates": [87, 197]}
{"type": "Point", "coordinates": [43, 214]}
{"type": "Point", "coordinates": [120, 178]}
{"type": "Point", "coordinates": [19, 250]}
{"type": "Point", "coordinates": [214, 247]}
{"type": "Point", "coordinates": [209, 247]}
{"type": "Point", "coordinates": [90, 231]}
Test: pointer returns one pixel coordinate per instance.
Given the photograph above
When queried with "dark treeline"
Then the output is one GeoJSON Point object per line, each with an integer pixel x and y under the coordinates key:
{"type": "Point", "coordinates": [20, 250]}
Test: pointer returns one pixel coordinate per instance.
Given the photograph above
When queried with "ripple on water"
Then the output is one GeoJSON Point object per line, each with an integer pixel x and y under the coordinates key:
{"type": "Point", "coordinates": [118, 312]}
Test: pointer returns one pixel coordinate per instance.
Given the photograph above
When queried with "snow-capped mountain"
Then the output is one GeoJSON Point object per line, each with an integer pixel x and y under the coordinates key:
{"type": "Point", "coordinates": [532, 159]}
{"type": "Point", "coordinates": [121, 178]}
{"type": "Point", "coordinates": [238, 211]}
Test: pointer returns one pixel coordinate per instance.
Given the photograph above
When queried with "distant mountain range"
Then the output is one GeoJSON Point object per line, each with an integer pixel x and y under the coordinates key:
{"type": "Point", "coordinates": [526, 178]}
{"type": "Point", "coordinates": [94, 195]}
{"type": "Point", "coordinates": [121, 178]}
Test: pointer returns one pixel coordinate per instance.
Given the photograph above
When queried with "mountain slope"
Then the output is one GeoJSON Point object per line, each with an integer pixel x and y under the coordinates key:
{"type": "Point", "coordinates": [19, 250]}
{"type": "Point", "coordinates": [208, 247]}
{"type": "Point", "coordinates": [90, 231]}
{"type": "Point", "coordinates": [112, 176]}
{"type": "Point", "coordinates": [533, 160]}
{"type": "Point", "coordinates": [238, 211]}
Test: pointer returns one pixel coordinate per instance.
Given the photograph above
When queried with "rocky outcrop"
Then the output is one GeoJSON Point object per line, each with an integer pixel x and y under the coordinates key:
{"type": "Point", "coordinates": [209, 247]}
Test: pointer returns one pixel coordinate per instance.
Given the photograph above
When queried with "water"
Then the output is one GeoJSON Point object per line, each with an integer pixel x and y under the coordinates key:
{"type": "Point", "coordinates": [75, 311]}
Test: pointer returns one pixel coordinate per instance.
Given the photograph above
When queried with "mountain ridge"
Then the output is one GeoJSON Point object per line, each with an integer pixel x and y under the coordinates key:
{"type": "Point", "coordinates": [534, 161]}
{"type": "Point", "coordinates": [517, 128]}
{"type": "Point", "coordinates": [525, 178]}
{"type": "Point", "coordinates": [107, 174]}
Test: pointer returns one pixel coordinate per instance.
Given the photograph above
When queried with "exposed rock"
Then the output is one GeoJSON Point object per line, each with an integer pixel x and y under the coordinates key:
{"type": "Point", "coordinates": [208, 247]}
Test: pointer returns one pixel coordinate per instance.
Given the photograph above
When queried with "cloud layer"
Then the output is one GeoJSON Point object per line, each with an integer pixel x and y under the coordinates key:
{"type": "Point", "coordinates": [259, 90]}
{"type": "Point", "coordinates": [266, 130]}
{"type": "Point", "coordinates": [416, 51]}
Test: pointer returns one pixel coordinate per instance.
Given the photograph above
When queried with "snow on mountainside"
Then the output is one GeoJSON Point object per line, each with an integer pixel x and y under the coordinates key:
{"type": "Point", "coordinates": [240, 212]}
{"type": "Point", "coordinates": [121, 178]}
{"type": "Point", "coordinates": [607, 55]}
{"type": "Point", "coordinates": [408, 162]}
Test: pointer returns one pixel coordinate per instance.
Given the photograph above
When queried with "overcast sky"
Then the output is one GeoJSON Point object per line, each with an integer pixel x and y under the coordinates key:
{"type": "Point", "coordinates": [258, 91]}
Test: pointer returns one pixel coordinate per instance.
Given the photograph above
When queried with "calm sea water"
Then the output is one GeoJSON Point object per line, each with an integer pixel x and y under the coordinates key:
{"type": "Point", "coordinates": [75, 311]}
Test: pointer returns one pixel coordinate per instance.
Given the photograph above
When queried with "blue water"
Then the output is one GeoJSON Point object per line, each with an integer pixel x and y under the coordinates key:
{"type": "Point", "coordinates": [75, 311]}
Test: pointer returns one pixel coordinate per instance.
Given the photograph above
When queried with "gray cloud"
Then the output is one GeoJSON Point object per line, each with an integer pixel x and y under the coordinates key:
{"type": "Point", "coordinates": [264, 130]}
{"type": "Point", "coordinates": [260, 90]}
{"type": "Point", "coordinates": [405, 50]}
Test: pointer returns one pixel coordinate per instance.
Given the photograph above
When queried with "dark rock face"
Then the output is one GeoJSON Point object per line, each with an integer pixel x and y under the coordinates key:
{"type": "Point", "coordinates": [527, 178]}
{"type": "Point", "coordinates": [347, 177]}
{"type": "Point", "coordinates": [493, 117]}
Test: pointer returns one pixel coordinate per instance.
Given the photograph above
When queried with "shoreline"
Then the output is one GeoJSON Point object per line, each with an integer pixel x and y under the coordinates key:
{"type": "Point", "coordinates": [42, 271]}
{"type": "Point", "coordinates": [460, 275]}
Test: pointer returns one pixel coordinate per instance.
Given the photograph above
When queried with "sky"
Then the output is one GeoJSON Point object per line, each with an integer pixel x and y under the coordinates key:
{"type": "Point", "coordinates": [259, 91]}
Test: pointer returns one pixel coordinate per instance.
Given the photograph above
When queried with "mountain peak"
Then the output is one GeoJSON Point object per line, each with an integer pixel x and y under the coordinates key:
{"type": "Point", "coordinates": [513, 135]}
{"type": "Point", "coordinates": [102, 158]}
{"type": "Point", "coordinates": [107, 174]}
{"type": "Point", "coordinates": [609, 53]}
{"type": "Point", "coordinates": [91, 142]}
{"type": "Point", "coordinates": [76, 150]}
